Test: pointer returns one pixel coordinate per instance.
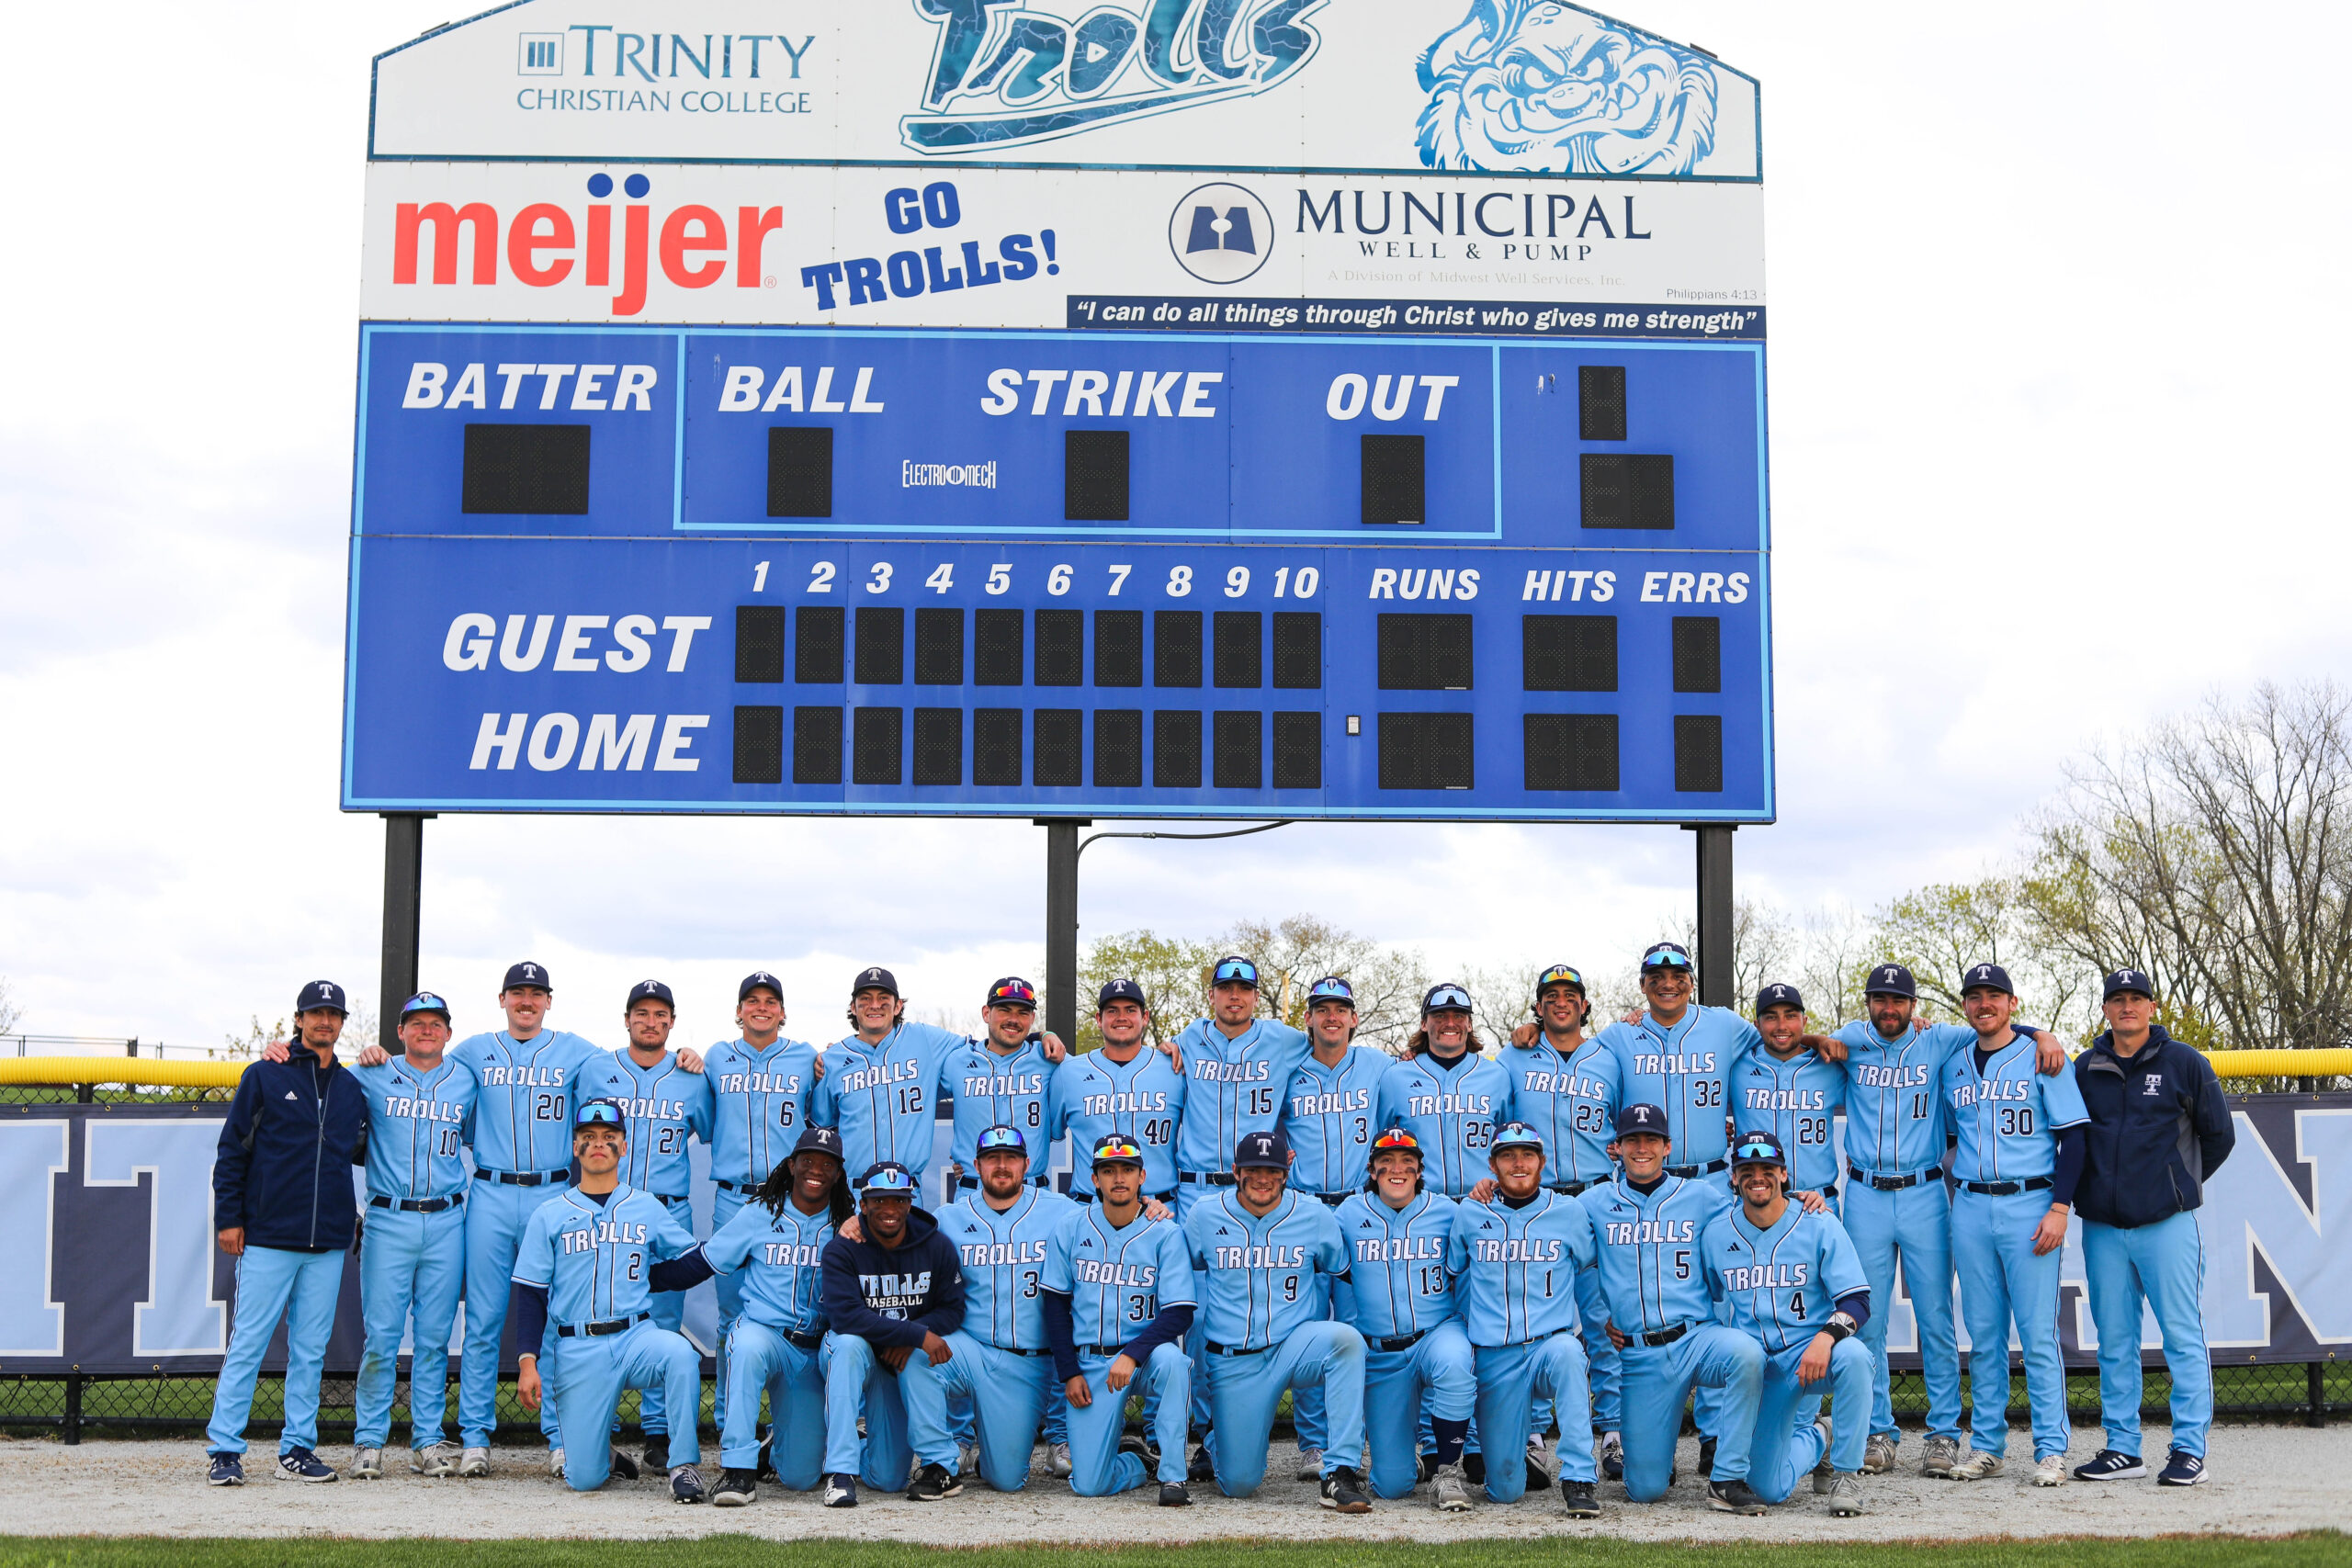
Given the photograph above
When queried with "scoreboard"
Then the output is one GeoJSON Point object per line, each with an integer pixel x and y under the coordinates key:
{"type": "Point", "coordinates": [974, 479]}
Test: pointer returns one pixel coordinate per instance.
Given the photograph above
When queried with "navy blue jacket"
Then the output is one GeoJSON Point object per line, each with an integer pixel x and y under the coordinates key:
{"type": "Point", "coordinates": [2159, 1128]}
{"type": "Point", "coordinates": [890, 1296]}
{"type": "Point", "coordinates": [283, 1171]}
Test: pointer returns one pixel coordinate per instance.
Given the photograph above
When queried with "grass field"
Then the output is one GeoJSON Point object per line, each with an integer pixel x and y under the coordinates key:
{"type": "Point", "coordinates": [2325, 1549]}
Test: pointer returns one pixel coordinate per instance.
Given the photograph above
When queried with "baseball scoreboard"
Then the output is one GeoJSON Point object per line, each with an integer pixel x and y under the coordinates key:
{"type": "Point", "coordinates": [1188, 408]}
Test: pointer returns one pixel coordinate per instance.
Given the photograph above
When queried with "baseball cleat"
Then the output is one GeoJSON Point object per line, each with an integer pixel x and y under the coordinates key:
{"type": "Point", "coordinates": [2182, 1469]}
{"type": "Point", "coordinates": [967, 1459]}
{"type": "Point", "coordinates": [657, 1452]}
{"type": "Point", "coordinates": [367, 1464]}
{"type": "Point", "coordinates": [1824, 1473]}
{"type": "Point", "coordinates": [1611, 1456]}
{"type": "Point", "coordinates": [1343, 1492]}
{"type": "Point", "coordinates": [2049, 1471]}
{"type": "Point", "coordinates": [1202, 1468]}
{"type": "Point", "coordinates": [1845, 1492]}
{"type": "Point", "coordinates": [1936, 1462]}
{"type": "Point", "coordinates": [767, 1470]}
{"type": "Point", "coordinates": [1707, 1458]}
{"type": "Point", "coordinates": [302, 1464]}
{"type": "Point", "coordinates": [1310, 1464]}
{"type": "Point", "coordinates": [475, 1462]}
{"type": "Point", "coordinates": [555, 1463]}
{"type": "Point", "coordinates": [2111, 1464]}
{"type": "Point", "coordinates": [1058, 1461]}
{"type": "Point", "coordinates": [623, 1467]}
{"type": "Point", "coordinates": [1878, 1454]}
{"type": "Point", "coordinates": [226, 1469]}
{"type": "Point", "coordinates": [1577, 1497]}
{"type": "Point", "coordinates": [1539, 1478]}
{"type": "Point", "coordinates": [1173, 1495]}
{"type": "Point", "coordinates": [1977, 1466]}
{"type": "Point", "coordinates": [932, 1483]}
{"type": "Point", "coordinates": [841, 1491]}
{"type": "Point", "coordinates": [1449, 1492]}
{"type": "Point", "coordinates": [1734, 1496]}
{"type": "Point", "coordinates": [1474, 1467]}
{"type": "Point", "coordinates": [1424, 1466]}
{"type": "Point", "coordinates": [434, 1462]}
{"type": "Point", "coordinates": [736, 1487]}
{"type": "Point", "coordinates": [685, 1485]}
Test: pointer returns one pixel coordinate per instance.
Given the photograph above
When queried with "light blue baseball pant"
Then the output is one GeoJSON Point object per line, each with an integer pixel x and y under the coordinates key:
{"type": "Point", "coordinates": [1307, 1403]}
{"type": "Point", "coordinates": [1660, 1378]}
{"type": "Point", "coordinates": [589, 1377]}
{"type": "Point", "coordinates": [1189, 1195]}
{"type": "Point", "coordinates": [1511, 1379]}
{"type": "Point", "coordinates": [1097, 1467]}
{"type": "Point", "coordinates": [1604, 1368]}
{"type": "Point", "coordinates": [761, 1360]}
{"type": "Point", "coordinates": [1245, 1389]}
{"type": "Point", "coordinates": [1916, 1222]}
{"type": "Point", "coordinates": [2002, 1281]}
{"type": "Point", "coordinates": [857, 1385]}
{"type": "Point", "coordinates": [273, 1282]}
{"type": "Point", "coordinates": [1007, 1389]}
{"type": "Point", "coordinates": [730, 1289]}
{"type": "Point", "coordinates": [1438, 1372]}
{"type": "Point", "coordinates": [2162, 1265]}
{"type": "Point", "coordinates": [496, 1215]}
{"type": "Point", "coordinates": [1787, 1444]}
{"type": "Point", "coordinates": [409, 1263]}
{"type": "Point", "coordinates": [669, 1313]}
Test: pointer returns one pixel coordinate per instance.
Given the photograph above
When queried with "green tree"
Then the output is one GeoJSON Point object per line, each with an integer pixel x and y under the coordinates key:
{"type": "Point", "coordinates": [1936, 932]}
{"type": "Point", "coordinates": [1171, 971]}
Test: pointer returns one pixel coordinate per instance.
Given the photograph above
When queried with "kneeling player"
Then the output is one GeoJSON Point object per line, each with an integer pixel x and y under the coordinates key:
{"type": "Point", "coordinates": [1794, 1281]}
{"type": "Point", "coordinates": [586, 1262]}
{"type": "Point", "coordinates": [1514, 1263]}
{"type": "Point", "coordinates": [1117, 1287]}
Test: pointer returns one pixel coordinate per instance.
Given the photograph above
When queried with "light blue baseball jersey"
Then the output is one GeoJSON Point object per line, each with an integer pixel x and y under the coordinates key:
{"type": "Point", "coordinates": [1572, 1099]}
{"type": "Point", "coordinates": [1399, 1282]}
{"type": "Point", "coordinates": [1651, 1273]}
{"type": "Point", "coordinates": [1781, 1284]}
{"type": "Point", "coordinates": [418, 1125]}
{"type": "Point", "coordinates": [781, 1260]}
{"type": "Point", "coordinates": [1232, 1087]}
{"type": "Point", "coordinates": [1259, 1284]}
{"type": "Point", "coordinates": [1328, 1117]}
{"type": "Point", "coordinates": [1117, 1278]}
{"type": "Point", "coordinates": [1794, 1100]}
{"type": "Point", "coordinates": [596, 1259]}
{"type": "Point", "coordinates": [881, 1096]}
{"type": "Point", "coordinates": [1004, 1263]}
{"type": "Point", "coordinates": [760, 1105]}
{"type": "Point", "coordinates": [992, 1090]}
{"type": "Point", "coordinates": [1683, 1071]}
{"type": "Point", "coordinates": [1895, 1104]}
{"type": "Point", "coordinates": [1452, 1111]}
{"type": "Point", "coordinates": [2007, 1117]}
{"type": "Point", "coordinates": [666, 1105]}
{"type": "Point", "coordinates": [1514, 1269]}
{"type": "Point", "coordinates": [531, 1089]}
{"type": "Point", "coordinates": [1093, 1097]}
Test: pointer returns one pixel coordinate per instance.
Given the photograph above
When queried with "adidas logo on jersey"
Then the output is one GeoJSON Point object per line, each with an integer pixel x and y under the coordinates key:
{"type": "Point", "coordinates": [291, 1095]}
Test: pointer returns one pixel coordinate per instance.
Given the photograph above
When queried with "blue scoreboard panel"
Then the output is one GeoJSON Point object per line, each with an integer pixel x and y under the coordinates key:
{"type": "Point", "coordinates": [1015, 573]}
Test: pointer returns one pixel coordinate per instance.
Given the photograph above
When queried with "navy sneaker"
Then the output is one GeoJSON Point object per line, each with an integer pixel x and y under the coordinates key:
{"type": "Point", "coordinates": [302, 1464]}
{"type": "Point", "coordinates": [841, 1491]}
{"type": "Point", "coordinates": [2111, 1464]}
{"type": "Point", "coordinates": [227, 1470]}
{"type": "Point", "coordinates": [2182, 1469]}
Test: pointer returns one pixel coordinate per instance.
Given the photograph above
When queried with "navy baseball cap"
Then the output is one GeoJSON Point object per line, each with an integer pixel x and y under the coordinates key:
{"type": "Point", "coordinates": [321, 994]}
{"type": "Point", "coordinates": [2122, 980]}
{"type": "Point", "coordinates": [424, 1001]}
{"type": "Point", "coordinates": [1991, 974]}
{"type": "Point", "coordinates": [1559, 974]}
{"type": "Point", "coordinates": [1398, 1141]}
{"type": "Point", "coordinates": [1667, 955]}
{"type": "Point", "coordinates": [1263, 1149]}
{"type": "Point", "coordinates": [1012, 991]}
{"type": "Point", "coordinates": [600, 1113]}
{"type": "Point", "coordinates": [1641, 1119]}
{"type": "Point", "coordinates": [1445, 997]}
{"type": "Point", "coordinates": [651, 991]}
{"type": "Point", "coordinates": [1779, 994]}
{"type": "Point", "coordinates": [527, 974]}
{"type": "Point", "coordinates": [1515, 1135]}
{"type": "Point", "coordinates": [1891, 980]}
{"type": "Point", "coordinates": [875, 980]}
{"type": "Point", "coordinates": [755, 980]}
{"type": "Point", "coordinates": [1121, 991]}
{"type": "Point", "coordinates": [1002, 1137]}
{"type": "Point", "coordinates": [1119, 1149]}
{"type": "Point", "coordinates": [1234, 971]}
{"type": "Point", "coordinates": [1758, 1148]}
{"type": "Point", "coordinates": [886, 1179]}
{"type": "Point", "coordinates": [1330, 989]}
{"type": "Point", "coordinates": [818, 1141]}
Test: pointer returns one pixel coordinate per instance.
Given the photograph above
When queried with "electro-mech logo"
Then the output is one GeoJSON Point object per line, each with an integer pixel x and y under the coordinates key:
{"type": "Point", "coordinates": [539, 54]}
{"type": "Point", "coordinates": [1220, 234]}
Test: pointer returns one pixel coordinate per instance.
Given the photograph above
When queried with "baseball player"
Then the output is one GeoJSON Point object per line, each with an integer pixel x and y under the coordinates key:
{"type": "Point", "coordinates": [776, 1242]}
{"type": "Point", "coordinates": [1788, 1278]}
{"type": "Point", "coordinates": [1002, 1080]}
{"type": "Point", "coordinates": [1400, 1297]}
{"type": "Point", "coordinates": [1895, 1202]}
{"type": "Point", "coordinates": [2159, 1129]}
{"type": "Point", "coordinates": [1514, 1263]}
{"type": "Point", "coordinates": [1446, 1093]}
{"type": "Point", "coordinates": [1116, 1309]}
{"type": "Point", "coordinates": [666, 1105]}
{"type": "Point", "coordinates": [1647, 1225]}
{"type": "Point", "coordinates": [420, 1117]}
{"type": "Point", "coordinates": [1000, 1358]}
{"type": "Point", "coordinates": [1259, 1249]}
{"type": "Point", "coordinates": [893, 1293]}
{"type": "Point", "coordinates": [282, 1206]}
{"type": "Point", "coordinates": [1328, 1112]}
{"type": "Point", "coordinates": [2022, 1137]}
{"type": "Point", "coordinates": [585, 1267]}
{"type": "Point", "coordinates": [1787, 1088]}
{"type": "Point", "coordinates": [1563, 1084]}
{"type": "Point", "coordinates": [1121, 1088]}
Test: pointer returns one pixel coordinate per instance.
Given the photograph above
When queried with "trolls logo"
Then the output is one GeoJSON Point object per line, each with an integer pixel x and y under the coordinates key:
{"type": "Point", "coordinates": [1008, 72]}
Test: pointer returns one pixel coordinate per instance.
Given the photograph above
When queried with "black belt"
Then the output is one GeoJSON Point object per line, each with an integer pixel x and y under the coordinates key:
{"type": "Point", "coordinates": [1333, 1199]}
{"type": "Point", "coordinates": [1213, 1177]}
{"type": "Point", "coordinates": [737, 1186]}
{"type": "Point", "coordinates": [1402, 1342]}
{"type": "Point", "coordinates": [800, 1341]}
{"type": "Point", "coordinates": [666, 1198]}
{"type": "Point", "coordinates": [1167, 1197]}
{"type": "Point", "coordinates": [1017, 1351]}
{"type": "Point", "coordinates": [2007, 1189]}
{"type": "Point", "coordinates": [1216, 1349]}
{"type": "Point", "coordinates": [524, 1178]}
{"type": "Point", "coordinates": [1895, 1183]}
{"type": "Point", "coordinates": [1115, 1352]}
{"type": "Point", "coordinates": [1687, 1171]}
{"type": "Point", "coordinates": [419, 1205]}
{"type": "Point", "coordinates": [1569, 1189]}
{"type": "Point", "coordinates": [1663, 1336]}
{"type": "Point", "coordinates": [1829, 1190]}
{"type": "Point", "coordinates": [598, 1330]}
{"type": "Point", "coordinates": [971, 1184]}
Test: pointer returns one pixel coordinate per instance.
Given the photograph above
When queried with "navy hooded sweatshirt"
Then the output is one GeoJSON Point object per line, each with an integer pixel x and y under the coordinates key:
{"type": "Point", "coordinates": [893, 1296]}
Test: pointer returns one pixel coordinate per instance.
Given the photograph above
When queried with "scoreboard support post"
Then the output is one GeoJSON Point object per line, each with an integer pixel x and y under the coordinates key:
{"type": "Point", "coordinates": [1061, 924]}
{"type": "Point", "coordinates": [403, 918]}
{"type": "Point", "coordinates": [1714, 956]}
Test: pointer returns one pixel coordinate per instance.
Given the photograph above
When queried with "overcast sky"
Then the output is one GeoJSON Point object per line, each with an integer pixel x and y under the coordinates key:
{"type": "Point", "coordinates": [2058, 356]}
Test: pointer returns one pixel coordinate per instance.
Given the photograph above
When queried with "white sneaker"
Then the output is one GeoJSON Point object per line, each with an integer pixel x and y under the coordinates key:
{"type": "Point", "coordinates": [1450, 1489]}
{"type": "Point", "coordinates": [437, 1461]}
{"type": "Point", "coordinates": [2049, 1472]}
{"type": "Point", "coordinates": [1977, 1466]}
{"type": "Point", "coordinates": [367, 1464]}
{"type": "Point", "coordinates": [1878, 1454]}
{"type": "Point", "coordinates": [555, 1463]}
{"type": "Point", "coordinates": [1310, 1464]}
{"type": "Point", "coordinates": [1845, 1491]}
{"type": "Point", "coordinates": [475, 1462]}
{"type": "Point", "coordinates": [1057, 1462]}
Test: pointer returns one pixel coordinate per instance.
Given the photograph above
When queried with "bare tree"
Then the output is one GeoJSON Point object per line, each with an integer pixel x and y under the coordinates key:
{"type": "Point", "coordinates": [1294, 952]}
{"type": "Point", "coordinates": [1838, 947]}
{"type": "Point", "coordinates": [11, 1014]}
{"type": "Point", "coordinates": [1938, 931]}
